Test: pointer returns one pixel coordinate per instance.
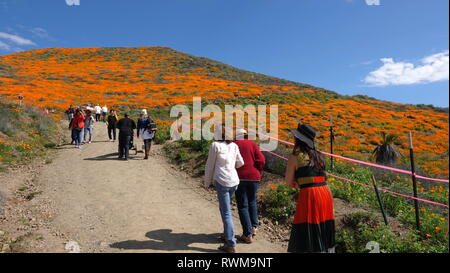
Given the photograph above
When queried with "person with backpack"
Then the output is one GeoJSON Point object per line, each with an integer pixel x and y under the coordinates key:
{"type": "Point", "coordinates": [223, 159]}
{"type": "Point", "coordinates": [111, 123]}
{"type": "Point", "coordinates": [77, 125]}
{"type": "Point", "coordinates": [249, 176]}
{"type": "Point", "coordinates": [88, 126]}
{"type": "Point", "coordinates": [126, 128]}
{"type": "Point", "coordinates": [313, 228]}
{"type": "Point", "coordinates": [146, 128]}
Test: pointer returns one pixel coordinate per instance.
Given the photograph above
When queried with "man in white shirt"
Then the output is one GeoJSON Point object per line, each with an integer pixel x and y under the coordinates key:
{"type": "Point", "coordinates": [98, 112]}
{"type": "Point", "coordinates": [104, 112]}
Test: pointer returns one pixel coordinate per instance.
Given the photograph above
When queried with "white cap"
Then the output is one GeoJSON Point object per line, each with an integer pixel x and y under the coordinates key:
{"type": "Point", "coordinates": [240, 132]}
{"type": "Point", "coordinates": [144, 112]}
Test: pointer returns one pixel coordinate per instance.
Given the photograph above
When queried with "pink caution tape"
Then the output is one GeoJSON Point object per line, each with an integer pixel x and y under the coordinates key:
{"type": "Point", "coordinates": [387, 191]}
{"type": "Point", "coordinates": [369, 164]}
{"type": "Point", "coordinates": [362, 184]}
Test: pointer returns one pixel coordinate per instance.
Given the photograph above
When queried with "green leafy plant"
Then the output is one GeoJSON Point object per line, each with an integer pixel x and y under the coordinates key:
{"type": "Point", "coordinates": [278, 202]}
{"type": "Point", "coordinates": [386, 152]}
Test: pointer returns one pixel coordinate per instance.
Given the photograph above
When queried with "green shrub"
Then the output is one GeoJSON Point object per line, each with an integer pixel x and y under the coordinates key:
{"type": "Point", "coordinates": [279, 202]}
{"type": "Point", "coordinates": [181, 156]}
{"type": "Point", "coordinates": [360, 228]}
{"type": "Point", "coordinates": [25, 133]}
{"type": "Point", "coordinates": [162, 135]}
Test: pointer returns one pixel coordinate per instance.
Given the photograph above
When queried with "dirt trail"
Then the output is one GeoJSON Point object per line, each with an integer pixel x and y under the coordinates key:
{"type": "Point", "coordinates": [107, 205]}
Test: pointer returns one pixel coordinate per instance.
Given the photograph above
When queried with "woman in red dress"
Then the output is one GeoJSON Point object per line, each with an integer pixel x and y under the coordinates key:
{"type": "Point", "coordinates": [313, 229]}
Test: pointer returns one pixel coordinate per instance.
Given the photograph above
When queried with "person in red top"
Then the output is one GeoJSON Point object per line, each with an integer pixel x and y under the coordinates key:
{"type": "Point", "coordinates": [249, 176]}
{"type": "Point", "coordinates": [77, 125]}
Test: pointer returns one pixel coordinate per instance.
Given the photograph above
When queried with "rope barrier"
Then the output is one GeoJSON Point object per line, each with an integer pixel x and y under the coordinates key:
{"type": "Point", "coordinates": [362, 184]}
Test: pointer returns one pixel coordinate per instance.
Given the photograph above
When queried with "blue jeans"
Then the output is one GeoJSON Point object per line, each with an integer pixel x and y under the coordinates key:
{"type": "Point", "coordinates": [124, 146]}
{"type": "Point", "coordinates": [246, 203]}
{"type": "Point", "coordinates": [77, 134]}
{"type": "Point", "coordinates": [90, 130]}
{"type": "Point", "coordinates": [224, 195]}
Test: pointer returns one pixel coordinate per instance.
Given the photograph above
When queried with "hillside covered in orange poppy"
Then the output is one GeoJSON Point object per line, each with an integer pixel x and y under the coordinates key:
{"type": "Point", "coordinates": [157, 77]}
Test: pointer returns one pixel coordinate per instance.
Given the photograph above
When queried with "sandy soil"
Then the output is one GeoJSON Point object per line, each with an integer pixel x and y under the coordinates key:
{"type": "Point", "coordinates": [108, 205]}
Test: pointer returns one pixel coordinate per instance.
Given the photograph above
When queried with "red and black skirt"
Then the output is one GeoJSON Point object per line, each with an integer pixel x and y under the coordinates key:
{"type": "Point", "coordinates": [313, 229]}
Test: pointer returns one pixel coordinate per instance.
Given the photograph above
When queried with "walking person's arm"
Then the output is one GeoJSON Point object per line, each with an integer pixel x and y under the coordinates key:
{"type": "Point", "coordinates": [133, 126]}
{"type": "Point", "coordinates": [239, 160]}
{"type": "Point", "coordinates": [210, 166]}
{"type": "Point", "coordinates": [260, 159]}
{"type": "Point", "coordinates": [138, 127]}
{"type": "Point", "coordinates": [119, 124]}
{"type": "Point", "coordinates": [289, 176]}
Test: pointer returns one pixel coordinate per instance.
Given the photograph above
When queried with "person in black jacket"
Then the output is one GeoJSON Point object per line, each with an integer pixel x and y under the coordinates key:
{"type": "Point", "coordinates": [126, 128]}
{"type": "Point", "coordinates": [111, 122]}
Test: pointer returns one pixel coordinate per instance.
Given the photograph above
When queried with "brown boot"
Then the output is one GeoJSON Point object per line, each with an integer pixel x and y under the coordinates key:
{"type": "Point", "coordinates": [246, 239]}
{"type": "Point", "coordinates": [227, 248]}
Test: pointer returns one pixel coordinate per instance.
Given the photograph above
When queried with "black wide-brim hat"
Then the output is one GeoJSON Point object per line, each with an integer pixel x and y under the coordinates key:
{"type": "Point", "coordinates": [306, 134]}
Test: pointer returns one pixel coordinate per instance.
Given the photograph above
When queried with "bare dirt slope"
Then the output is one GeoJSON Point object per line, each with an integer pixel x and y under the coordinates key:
{"type": "Point", "coordinates": [109, 205]}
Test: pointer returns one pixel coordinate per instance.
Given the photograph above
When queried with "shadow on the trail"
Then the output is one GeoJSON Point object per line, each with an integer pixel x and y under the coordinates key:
{"type": "Point", "coordinates": [100, 141]}
{"type": "Point", "coordinates": [65, 145]}
{"type": "Point", "coordinates": [164, 239]}
{"type": "Point", "coordinates": [111, 156]}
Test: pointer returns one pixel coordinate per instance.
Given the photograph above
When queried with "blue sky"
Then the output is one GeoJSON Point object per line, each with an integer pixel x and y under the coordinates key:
{"type": "Point", "coordinates": [395, 51]}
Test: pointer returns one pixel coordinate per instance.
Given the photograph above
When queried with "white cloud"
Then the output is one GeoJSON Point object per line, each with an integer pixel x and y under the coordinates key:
{"type": "Point", "coordinates": [4, 46]}
{"type": "Point", "coordinates": [39, 32]}
{"type": "Point", "coordinates": [431, 69]}
{"type": "Point", "coordinates": [15, 39]}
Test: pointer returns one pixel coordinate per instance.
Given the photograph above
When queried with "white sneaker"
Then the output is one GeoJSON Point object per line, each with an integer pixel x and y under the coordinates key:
{"type": "Point", "coordinates": [111, 140]}
{"type": "Point", "coordinates": [89, 142]}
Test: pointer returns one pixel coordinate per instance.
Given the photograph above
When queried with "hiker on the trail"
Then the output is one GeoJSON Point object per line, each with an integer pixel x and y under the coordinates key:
{"type": "Point", "coordinates": [104, 113]}
{"type": "Point", "coordinates": [313, 229]}
{"type": "Point", "coordinates": [70, 112]}
{"type": "Point", "coordinates": [88, 126]}
{"type": "Point", "coordinates": [98, 112]}
{"type": "Point", "coordinates": [223, 159]}
{"type": "Point", "coordinates": [126, 128]}
{"type": "Point", "coordinates": [146, 128]}
{"type": "Point", "coordinates": [77, 125]}
{"type": "Point", "coordinates": [249, 176]}
{"type": "Point", "coordinates": [111, 123]}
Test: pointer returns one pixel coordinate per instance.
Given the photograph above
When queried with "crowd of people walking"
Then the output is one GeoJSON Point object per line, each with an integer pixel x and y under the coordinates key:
{"type": "Point", "coordinates": [82, 120]}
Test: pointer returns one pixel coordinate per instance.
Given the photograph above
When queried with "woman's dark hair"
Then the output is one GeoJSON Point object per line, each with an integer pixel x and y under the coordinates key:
{"type": "Point", "coordinates": [316, 160]}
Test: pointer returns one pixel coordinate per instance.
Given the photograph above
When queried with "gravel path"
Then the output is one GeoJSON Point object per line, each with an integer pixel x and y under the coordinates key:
{"type": "Point", "coordinates": [109, 205]}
